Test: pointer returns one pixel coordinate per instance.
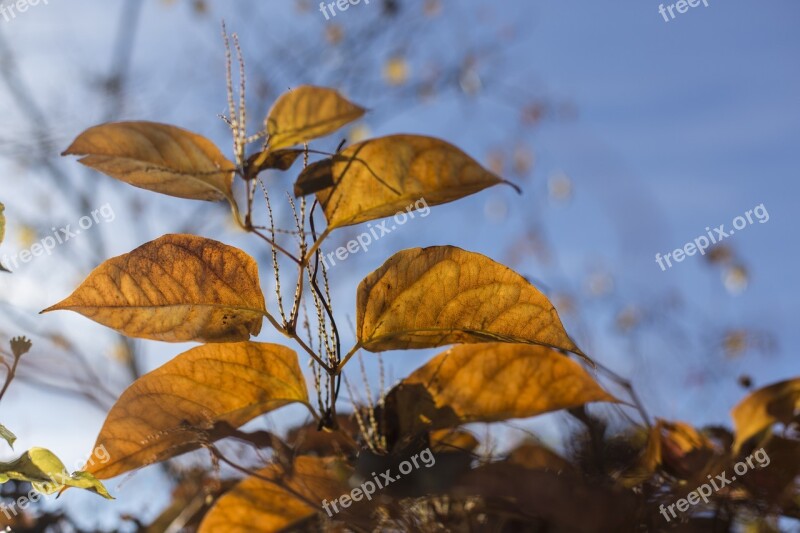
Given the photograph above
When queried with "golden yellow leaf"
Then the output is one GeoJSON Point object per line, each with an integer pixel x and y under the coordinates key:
{"type": "Point", "coordinates": [176, 288]}
{"type": "Point", "coordinates": [157, 157]}
{"type": "Point", "coordinates": [162, 413]}
{"type": "Point", "coordinates": [493, 382]}
{"type": "Point", "coordinates": [306, 113]}
{"type": "Point", "coordinates": [380, 177]}
{"type": "Point", "coordinates": [428, 297]}
{"type": "Point", "coordinates": [259, 506]}
{"type": "Point", "coordinates": [760, 410]}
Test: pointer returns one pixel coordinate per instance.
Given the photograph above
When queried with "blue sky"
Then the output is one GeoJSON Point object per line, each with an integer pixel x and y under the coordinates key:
{"type": "Point", "coordinates": [680, 125]}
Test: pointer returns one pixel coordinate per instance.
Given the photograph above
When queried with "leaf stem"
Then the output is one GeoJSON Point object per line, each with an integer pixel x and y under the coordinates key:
{"type": "Point", "coordinates": [347, 357]}
{"type": "Point", "coordinates": [316, 246]}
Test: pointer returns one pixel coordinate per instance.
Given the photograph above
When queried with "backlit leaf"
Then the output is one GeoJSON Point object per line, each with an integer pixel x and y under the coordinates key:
{"type": "Point", "coordinates": [428, 297]}
{"type": "Point", "coordinates": [176, 288]}
{"type": "Point", "coordinates": [306, 113]}
{"type": "Point", "coordinates": [48, 474]}
{"type": "Point", "coordinates": [776, 403]}
{"type": "Point", "coordinates": [258, 506]}
{"type": "Point", "coordinates": [493, 382]}
{"type": "Point", "coordinates": [157, 157]}
{"type": "Point", "coordinates": [162, 413]}
{"type": "Point", "coordinates": [380, 177]}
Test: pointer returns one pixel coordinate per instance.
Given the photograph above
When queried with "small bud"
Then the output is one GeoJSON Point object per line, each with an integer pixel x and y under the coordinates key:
{"type": "Point", "coordinates": [20, 346]}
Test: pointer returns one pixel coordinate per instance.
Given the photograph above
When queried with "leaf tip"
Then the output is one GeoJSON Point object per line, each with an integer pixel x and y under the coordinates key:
{"type": "Point", "coordinates": [514, 186]}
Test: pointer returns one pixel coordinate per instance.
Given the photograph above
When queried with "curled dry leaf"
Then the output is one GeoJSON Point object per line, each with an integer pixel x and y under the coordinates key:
{"type": "Point", "coordinates": [429, 297]}
{"type": "Point", "coordinates": [380, 177]}
{"type": "Point", "coordinates": [306, 113]}
{"type": "Point", "coordinates": [165, 412]}
{"type": "Point", "coordinates": [490, 383]}
{"type": "Point", "coordinates": [760, 410]}
{"type": "Point", "coordinates": [176, 288]}
{"type": "Point", "coordinates": [256, 505]}
{"type": "Point", "coordinates": [157, 157]}
{"type": "Point", "coordinates": [277, 159]}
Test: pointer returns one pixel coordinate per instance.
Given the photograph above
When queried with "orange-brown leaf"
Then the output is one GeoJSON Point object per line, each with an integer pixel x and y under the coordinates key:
{"type": "Point", "coordinates": [259, 506]}
{"type": "Point", "coordinates": [494, 382]}
{"type": "Point", "coordinates": [380, 177]}
{"type": "Point", "coordinates": [163, 413]}
{"type": "Point", "coordinates": [176, 288]}
{"type": "Point", "coordinates": [157, 157]}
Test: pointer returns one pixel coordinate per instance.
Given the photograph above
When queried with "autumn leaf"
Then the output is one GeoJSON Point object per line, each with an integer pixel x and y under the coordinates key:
{"type": "Point", "coordinates": [306, 113]}
{"type": "Point", "coordinates": [379, 177]}
{"type": "Point", "coordinates": [163, 413]}
{"type": "Point", "coordinates": [176, 288]}
{"type": "Point", "coordinates": [48, 474]}
{"type": "Point", "coordinates": [760, 410]}
{"type": "Point", "coordinates": [259, 506]}
{"type": "Point", "coordinates": [157, 157]}
{"type": "Point", "coordinates": [490, 383]}
{"type": "Point", "coordinates": [678, 446]}
{"type": "Point", "coordinates": [429, 297]}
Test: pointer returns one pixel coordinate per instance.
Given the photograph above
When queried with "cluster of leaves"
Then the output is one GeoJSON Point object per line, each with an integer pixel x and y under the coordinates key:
{"type": "Point", "coordinates": [509, 355]}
